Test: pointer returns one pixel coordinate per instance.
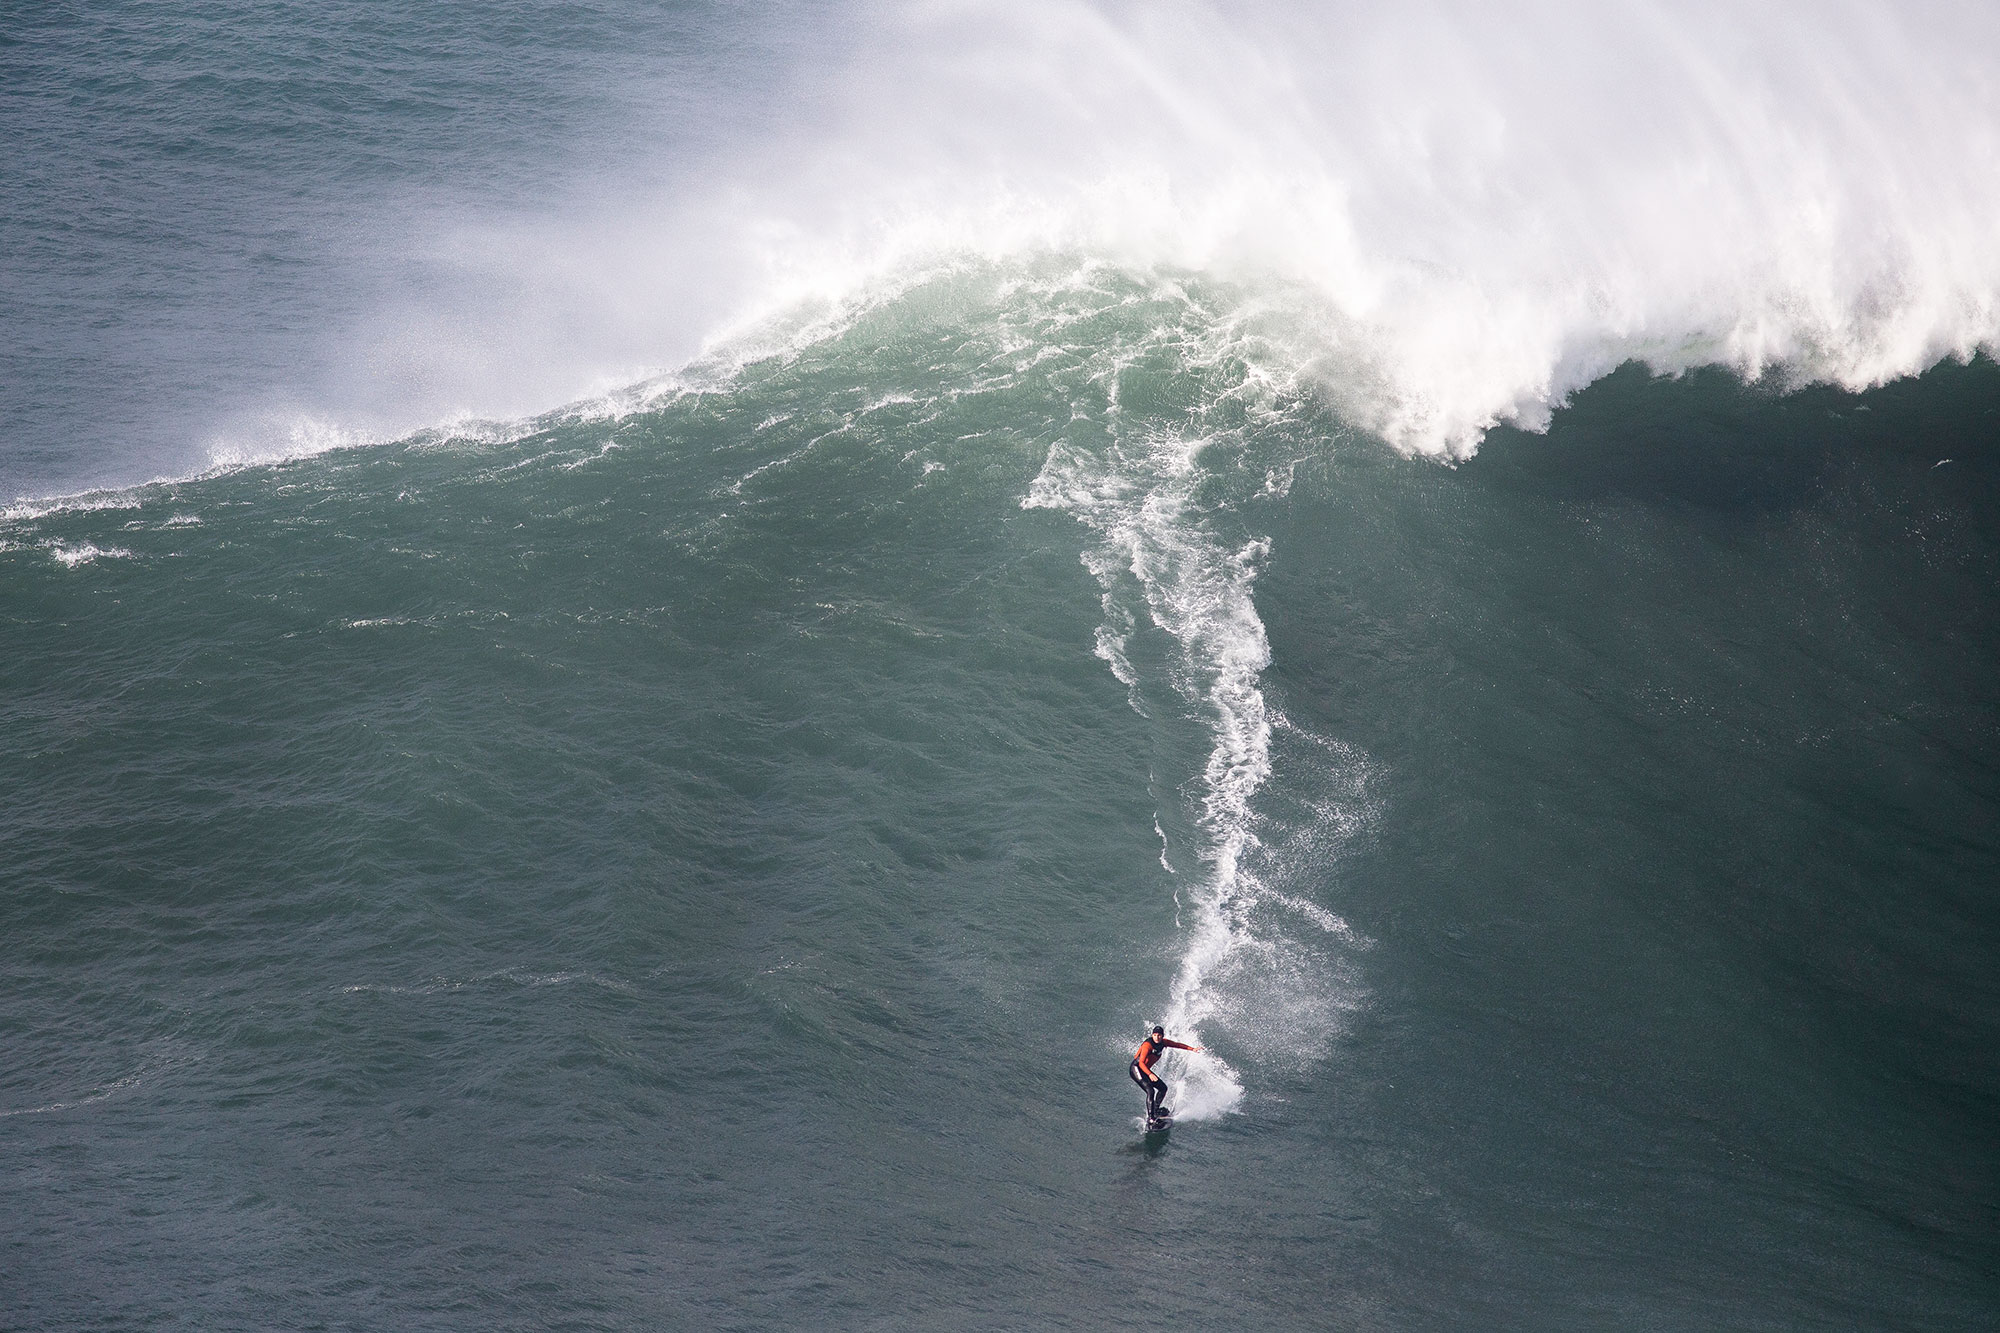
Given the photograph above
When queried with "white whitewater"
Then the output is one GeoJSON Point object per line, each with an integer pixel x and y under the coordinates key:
{"type": "Point", "coordinates": [1475, 210]}
{"type": "Point", "coordinates": [1490, 206]}
{"type": "Point", "coordinates": [1168, 565]}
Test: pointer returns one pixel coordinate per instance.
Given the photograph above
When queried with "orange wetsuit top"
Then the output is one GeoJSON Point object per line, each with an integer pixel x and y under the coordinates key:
{"type": "Point", "coordinates": [1148, 1052]}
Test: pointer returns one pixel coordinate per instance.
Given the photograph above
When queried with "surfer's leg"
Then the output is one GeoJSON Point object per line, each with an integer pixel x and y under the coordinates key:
{"type": "Point", "coordinates": [1150, 1084]}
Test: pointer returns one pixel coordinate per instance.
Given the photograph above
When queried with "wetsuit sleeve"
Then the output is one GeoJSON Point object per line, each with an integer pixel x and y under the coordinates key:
{"type": "Point", "coordinates": [1178, 1045]}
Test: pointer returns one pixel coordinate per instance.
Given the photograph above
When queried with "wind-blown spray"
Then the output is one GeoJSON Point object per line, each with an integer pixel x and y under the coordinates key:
{"type": "Point", "coordinates": [1475, 210]}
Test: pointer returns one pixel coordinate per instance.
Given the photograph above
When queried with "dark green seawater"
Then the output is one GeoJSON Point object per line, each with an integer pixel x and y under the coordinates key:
{"type": "Point", "coordinates": [701, 857]}
{"type": "Point", "coordinates": [690, 867]}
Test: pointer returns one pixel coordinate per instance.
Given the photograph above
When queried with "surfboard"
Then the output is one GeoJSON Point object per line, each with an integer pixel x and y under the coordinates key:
{"type": "Point", "coordinates": [1158, 1122]}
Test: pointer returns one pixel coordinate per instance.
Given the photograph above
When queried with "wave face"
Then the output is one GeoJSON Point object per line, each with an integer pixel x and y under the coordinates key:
{"type": "Point", "coordinates": [513, 835]}
{"type": "Point", "coordinates": [783, 796]}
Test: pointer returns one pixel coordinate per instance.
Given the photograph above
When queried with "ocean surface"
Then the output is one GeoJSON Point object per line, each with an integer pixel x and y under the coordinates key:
{"type": "Point", "coordinates": [640, 641]}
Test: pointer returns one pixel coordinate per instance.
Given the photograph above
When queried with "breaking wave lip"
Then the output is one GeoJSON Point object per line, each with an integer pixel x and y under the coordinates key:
{"type": "Point", "coordinates": [1473, 212]}
{"type": "Point", "coordinates": [1467, 212]}
{"type": "Point", "coordinates": [296, 440]}
{"type": "Point", "coordinates": [772, 330]}
{"type": "Point", "coordinates": [299, 438]}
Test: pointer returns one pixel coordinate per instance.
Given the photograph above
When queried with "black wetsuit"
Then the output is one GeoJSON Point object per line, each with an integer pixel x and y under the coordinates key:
{"type": "Point", "coordinates": [1150, 1083]}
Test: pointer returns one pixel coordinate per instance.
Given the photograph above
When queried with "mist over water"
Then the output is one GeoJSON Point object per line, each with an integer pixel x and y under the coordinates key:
{"type": "Point", "coordinates": [241, 234]}
{"type": "Point", "coordinates": [645, 638]}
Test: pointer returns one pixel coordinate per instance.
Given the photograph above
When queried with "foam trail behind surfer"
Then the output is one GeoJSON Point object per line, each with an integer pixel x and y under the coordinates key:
{"type": "Point", "coordinates": [1172, 496]}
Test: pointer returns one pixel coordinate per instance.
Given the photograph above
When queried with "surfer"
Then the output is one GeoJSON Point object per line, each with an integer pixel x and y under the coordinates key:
{"type": "Point", "coordinates": [1142, 1073]}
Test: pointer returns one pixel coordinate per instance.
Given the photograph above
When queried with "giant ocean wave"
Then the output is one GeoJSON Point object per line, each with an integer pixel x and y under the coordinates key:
{"type": "Point", "coordinates": [1467, 214]}
{"type": "Point", "coordinates": [1226, 240]}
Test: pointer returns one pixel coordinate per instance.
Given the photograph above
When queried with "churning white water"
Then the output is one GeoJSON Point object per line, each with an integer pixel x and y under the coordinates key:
{"type": "Point", "coordinates": [1491, 206]}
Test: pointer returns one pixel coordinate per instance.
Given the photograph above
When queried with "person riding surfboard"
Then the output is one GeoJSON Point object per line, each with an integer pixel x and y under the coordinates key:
{"type": "Point", "coordinates": [1142, 1073]}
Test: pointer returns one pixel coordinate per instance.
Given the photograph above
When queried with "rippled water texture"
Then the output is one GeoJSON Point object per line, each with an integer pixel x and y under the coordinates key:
{"type": "Point", "coordinates": [697, 847]}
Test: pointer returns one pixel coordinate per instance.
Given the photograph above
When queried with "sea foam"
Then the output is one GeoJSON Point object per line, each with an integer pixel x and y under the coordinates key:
{"type": "Point", "coordinates": [1469, 213]}
{"type": "Point", "coordinates": [1464, 213]}
{"type": "Point", "coordinates": [1175, 562]}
